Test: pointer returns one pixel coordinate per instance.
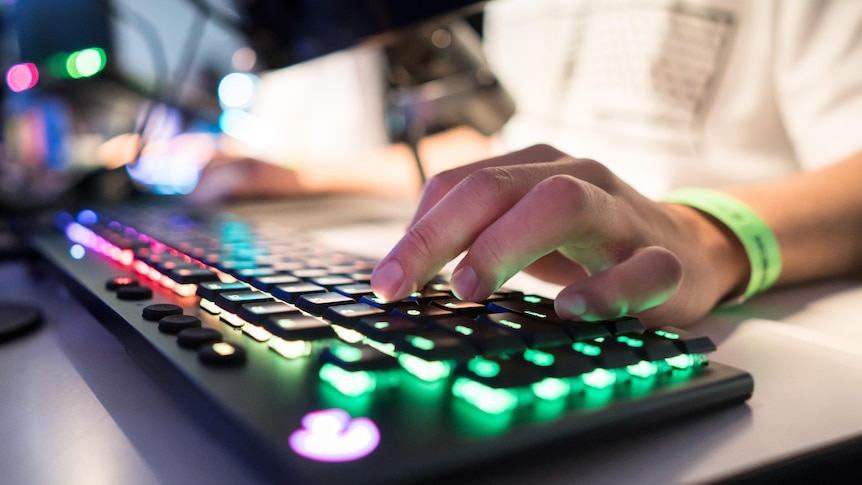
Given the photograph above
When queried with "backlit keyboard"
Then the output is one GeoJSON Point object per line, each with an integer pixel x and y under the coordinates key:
{"type": "Point", "coordinates": [278, 344]}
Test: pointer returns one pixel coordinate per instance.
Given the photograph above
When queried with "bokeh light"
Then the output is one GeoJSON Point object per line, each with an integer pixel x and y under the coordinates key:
{"type": "Point", "coordinates": [236, 90]}
{"type": "Point", "coordinates": [22, 77]}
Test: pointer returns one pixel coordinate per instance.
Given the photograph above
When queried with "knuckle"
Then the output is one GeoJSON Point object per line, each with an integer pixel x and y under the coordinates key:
{"type": "Point", "coordinates": [440, 184]}
{"type": "Point", "coordinates": [565, 190]}
{"type": "Point", "coordinates": [596, 173]}
{"type": "Point", "coordinates": [491, 181]}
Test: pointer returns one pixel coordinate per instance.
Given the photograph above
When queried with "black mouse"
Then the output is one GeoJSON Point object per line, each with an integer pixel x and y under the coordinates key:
{"type": "Point", "coordinates": [17, 319]}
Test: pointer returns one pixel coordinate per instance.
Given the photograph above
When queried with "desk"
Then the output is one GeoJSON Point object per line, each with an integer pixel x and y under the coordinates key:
{"type": "Point", "coordinates": [76, 408]}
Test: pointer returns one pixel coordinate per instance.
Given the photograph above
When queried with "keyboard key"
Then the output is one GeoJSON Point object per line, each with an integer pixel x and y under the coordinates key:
{"type": "Point", "coordinates": [564, 361]}
{"type": "Point", "coordinates": [434, 345]}
{"type": "Point", "coordinates": [210, 290]}
{"type": "Point", "coordinates": [534, 333]}
{"type": "Point", "coordinates": [173, 324]}
{"type": "Point", "coordinates": [354, 358]}
{"type": "Point", "coordinates": [349, 315]}
{"type": "Point", "coordinates": [291, 293]}
{"type": "Point", "coordinates": [192, 275]}
{"type": "Point", "coordinates": [501, 373]}
{"type": "Point", "coordinates": [585, 331]}
{"type": "Point", "coordinates": [461, 307]}
{"type": "Point", "coordinates": [355, 290]}
{"type": "Point", "coordinates": [231, 301]}
{"type": "Point", "coordinates": [608, 353]}
{"type": "Point", "coordinates": [386, 328]}
{"type": "Point", "coordinates": [428, 294]}
{"type": "Point", "coordinates": [686, 341]}
{"type": "Point", "coordinates": [625, 326]}
{"type": "Point", "coordinates": [650, 347]}
{"type": "Point", "coordinates": [317, 303]}
{"type": "Point", "coordinates": [309, 273]}
{"type": "Point", "coordinates": [194, 337]}
{"type": "Point", "coordinates": [258, 313]}
{"type": "Point", "coordinates": [330, 281]}
{"type": "Point", "coordinates": [488, 339]}
{"type": "Point", "coordinates": [299, 327]}
{"type": "Point", "coordinates": [156, 311]}
{"type": "Point", "coordinates": [421, 313]}
{"type": "Point", "coordinates": [386, 305]}
{"type": "Point", "coordinates": [535, 311]}
{"type": "Point", "coordinates": [266, 283]}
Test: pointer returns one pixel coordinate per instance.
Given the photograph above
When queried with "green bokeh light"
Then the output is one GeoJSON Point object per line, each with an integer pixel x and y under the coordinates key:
{"type": "Point", "coordinates": [428, 371]}
{"type": "Point", "coordinates": [490, 400]}
{"type": "Point", "coordinates": [348, 383]}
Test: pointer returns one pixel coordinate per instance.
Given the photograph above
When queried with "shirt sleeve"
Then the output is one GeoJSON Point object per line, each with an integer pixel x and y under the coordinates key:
{"type": "Point", "coordinates": [818, 77]}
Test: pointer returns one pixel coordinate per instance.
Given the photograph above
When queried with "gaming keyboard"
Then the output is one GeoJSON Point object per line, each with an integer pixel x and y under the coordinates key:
{"type": "Point", "coordinates": [278, 346]}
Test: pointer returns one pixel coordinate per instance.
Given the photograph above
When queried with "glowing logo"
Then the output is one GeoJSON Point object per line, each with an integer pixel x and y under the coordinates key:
{"type": "Point", "coordinates": [332, 436]}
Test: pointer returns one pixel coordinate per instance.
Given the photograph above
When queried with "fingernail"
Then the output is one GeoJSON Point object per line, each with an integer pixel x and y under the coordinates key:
{"type": "Point", "coordinates": [575, 304]}
{"type": "Point", "coordinates": [464, 282]}
{"type": "Point", "coordinates": [387, 280]}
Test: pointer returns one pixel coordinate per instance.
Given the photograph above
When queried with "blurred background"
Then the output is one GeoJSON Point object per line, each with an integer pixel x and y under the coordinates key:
{"type": "Point", "coordinates": [111, 98]}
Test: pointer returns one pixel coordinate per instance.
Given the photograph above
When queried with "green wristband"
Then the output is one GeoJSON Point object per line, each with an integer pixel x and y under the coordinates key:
{"type": "Point", "coordinates": [756, 237]}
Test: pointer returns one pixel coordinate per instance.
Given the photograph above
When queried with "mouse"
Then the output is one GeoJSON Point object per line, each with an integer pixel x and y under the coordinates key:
{"type": "Point", "coordinates": [17, 319]}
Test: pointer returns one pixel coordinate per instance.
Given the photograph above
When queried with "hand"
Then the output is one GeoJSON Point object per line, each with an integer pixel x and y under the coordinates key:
{"type": "Point", "coordinates": [571, 222]}
{"type": "Point", "coordinates": [232, 178]}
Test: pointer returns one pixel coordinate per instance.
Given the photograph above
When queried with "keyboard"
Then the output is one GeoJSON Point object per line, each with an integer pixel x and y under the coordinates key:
{"type": "Point", "coordinates": [276, 344]}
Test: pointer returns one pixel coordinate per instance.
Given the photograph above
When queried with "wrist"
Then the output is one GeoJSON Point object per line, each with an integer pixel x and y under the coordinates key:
{"type": "Point", "coordinates": [742, 225]}
{"type": "Point", "coordinates": [719, 253]}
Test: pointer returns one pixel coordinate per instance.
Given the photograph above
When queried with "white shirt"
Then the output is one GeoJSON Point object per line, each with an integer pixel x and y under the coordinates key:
{"type": "Point", "coordinates": [675, 93]}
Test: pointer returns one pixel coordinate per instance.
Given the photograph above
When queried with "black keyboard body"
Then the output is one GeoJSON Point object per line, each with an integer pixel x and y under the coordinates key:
{"type": "Point", "coordinates": [386, 393]}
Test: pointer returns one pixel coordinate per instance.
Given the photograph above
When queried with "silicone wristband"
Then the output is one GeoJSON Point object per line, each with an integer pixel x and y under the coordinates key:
{"type": "Point", "coordinates": [756, 237]}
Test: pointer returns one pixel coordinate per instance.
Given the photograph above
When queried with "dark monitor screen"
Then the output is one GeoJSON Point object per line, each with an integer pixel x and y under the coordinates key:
{"type": "Point", "coordinates": [286, 32]}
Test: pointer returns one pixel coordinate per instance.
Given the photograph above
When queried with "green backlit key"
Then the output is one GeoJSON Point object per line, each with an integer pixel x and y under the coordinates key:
{"type": "Point", "coordinates": [686, 341]}
{"type": "Point", "coordinates": [501, 373]}
{"type": "Point", "coordinates": [488, 339]}
{"type": "Point", "coordinates": [357, 358]}
{"type": "Point", "coordinates": [421, 313]}
{"type": "Point", "coordinates": [432, 346]}
{"type": "Point", "coordinates": [385, 328]}
{"type": "Point", "coordinates": [535, 333]}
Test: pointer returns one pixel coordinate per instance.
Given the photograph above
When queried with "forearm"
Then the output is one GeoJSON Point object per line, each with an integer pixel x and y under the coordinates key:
{"type": "Point", "coordinates": [816, 217]}
{"type": "Point", "coordinates": [392, 169]}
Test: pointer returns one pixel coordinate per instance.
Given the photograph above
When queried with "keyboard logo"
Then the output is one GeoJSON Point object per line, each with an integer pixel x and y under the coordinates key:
{"type": "Point", "coordinates": [331, 435]}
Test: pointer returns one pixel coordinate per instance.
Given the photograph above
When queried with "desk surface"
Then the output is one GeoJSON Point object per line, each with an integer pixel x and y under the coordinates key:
{"type": "Point", "coordinates": [76, 408]}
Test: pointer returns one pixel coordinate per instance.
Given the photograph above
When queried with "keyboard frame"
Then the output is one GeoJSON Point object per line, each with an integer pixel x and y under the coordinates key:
{"type": "Point", "coordinates": [255, 416]}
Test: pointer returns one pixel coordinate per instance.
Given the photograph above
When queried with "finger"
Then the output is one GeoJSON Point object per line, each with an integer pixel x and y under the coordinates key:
{"type": "Point", "coordinates": [440, 185]}
{"type": "Point", "coordinates": [556, 269]}
{"type": "Point", "coordinates": [647, 279]}
{"type": "Point", "coordinates": [559, 211]}
{"type": "Point", "coordinates": [447, 229]}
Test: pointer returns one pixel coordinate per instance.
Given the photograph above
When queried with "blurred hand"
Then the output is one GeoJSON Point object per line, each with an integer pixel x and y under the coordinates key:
{"type": "Point", "coordinates": [571, 222]}
{"type": "Point", "coordinates": [231, 178]}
